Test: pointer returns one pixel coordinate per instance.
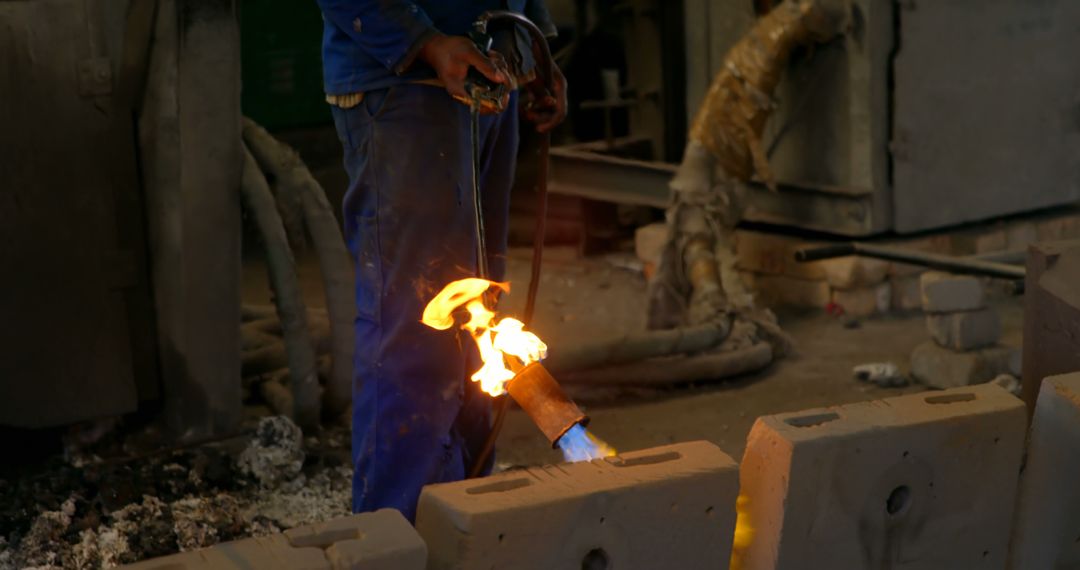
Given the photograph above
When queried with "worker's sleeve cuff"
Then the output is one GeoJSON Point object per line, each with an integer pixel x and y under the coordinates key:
{"type": "Point", "coordinates": [406, 61]}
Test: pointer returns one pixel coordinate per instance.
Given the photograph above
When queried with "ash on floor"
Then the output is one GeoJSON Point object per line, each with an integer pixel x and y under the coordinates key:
{"type": "Point", "coordinates": [106, 513]}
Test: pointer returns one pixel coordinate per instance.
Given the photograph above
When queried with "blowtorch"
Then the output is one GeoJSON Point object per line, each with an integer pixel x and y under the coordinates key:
{"type": "Point", "coordinates": [532, 387]}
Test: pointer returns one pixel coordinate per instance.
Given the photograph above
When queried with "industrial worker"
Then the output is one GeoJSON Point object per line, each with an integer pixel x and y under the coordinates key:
{"type": "Point", "coordinates": [391, 68]}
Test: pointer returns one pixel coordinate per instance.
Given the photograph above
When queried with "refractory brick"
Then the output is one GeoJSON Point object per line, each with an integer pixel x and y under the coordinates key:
{"type": "Point", "coordinates": [382, 540]}
{"type": "Point", "coordinates": [666, 507]}
{"type": "Point", "coordinates": [918, 482]}
{"type": "Point", "coordinates": [945, 293]}
{"type": "Point", "coordinates": [939, 367]}
{"type": "Point", "coordinates": [1047, 515]}
{"type": "Point", "coordinates": [965, 330]}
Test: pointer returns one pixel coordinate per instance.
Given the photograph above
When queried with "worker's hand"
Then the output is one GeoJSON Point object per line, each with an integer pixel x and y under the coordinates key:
{"type": "Point", "coordinates": [452, 56]}
{"type": "Point", "coordinates": [547, 109]}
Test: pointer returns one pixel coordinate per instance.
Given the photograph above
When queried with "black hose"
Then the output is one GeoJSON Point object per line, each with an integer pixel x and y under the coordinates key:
{"type": "Point", "coordinates": [546, 68]}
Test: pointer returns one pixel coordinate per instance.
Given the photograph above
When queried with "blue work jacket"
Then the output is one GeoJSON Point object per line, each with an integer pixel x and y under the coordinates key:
{"type": "Point", "coordinates": [372, 44]}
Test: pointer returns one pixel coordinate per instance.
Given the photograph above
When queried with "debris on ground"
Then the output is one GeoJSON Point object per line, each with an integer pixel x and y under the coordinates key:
{"type": "Point", "coordinates": [276, 453]}
{"type": "Point", "coordinates": [882, 374]}
{"type": "Point", "coordinates": [120, 510]}
{"type": "Point", "coordinates": [1008, 382]}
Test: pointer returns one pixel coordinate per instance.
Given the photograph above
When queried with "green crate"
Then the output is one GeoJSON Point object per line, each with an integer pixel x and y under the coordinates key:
{"type": "Point", "coordinates": [280, 47]}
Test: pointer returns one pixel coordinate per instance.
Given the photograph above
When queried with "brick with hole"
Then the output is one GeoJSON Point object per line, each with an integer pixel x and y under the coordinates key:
{"type": "Point", "coordinates": [918, 482]}
{"type": "Point", "coordinates": [1047, 528]}
{"type": "Point", "coordinates": [666, 507]}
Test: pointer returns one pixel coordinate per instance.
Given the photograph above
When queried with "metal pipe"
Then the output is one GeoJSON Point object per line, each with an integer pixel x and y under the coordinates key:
{"type": "Point", "coordinates": [931, 260]}
{"type": "Point", "coordinates": [537, 392]}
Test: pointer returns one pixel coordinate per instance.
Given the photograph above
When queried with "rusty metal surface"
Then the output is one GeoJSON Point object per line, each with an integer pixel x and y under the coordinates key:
{"type": "Point", "coordinates": [537, 392]}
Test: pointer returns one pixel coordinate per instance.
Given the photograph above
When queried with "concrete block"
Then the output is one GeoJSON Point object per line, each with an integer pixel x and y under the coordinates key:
{"type": "Point", "coordinates": [1047, 518]}
{"type": "Point", "coordinates": [1021, 235]}
{"type": "Point", "coordinates": [780, 290]}
{"type": "Point", "coordinates": [906, 293]}
{"type": "Point", "coordinates": [943, 292]}
{"type": "Point", "coordinates": [965, 330]}
{"type": "Point", "coordinates": [1059, 228]}
{"type": "Point", "coordinates": [774, 254]}
{"type": "Point", "coordinates": [1051, 315]}
{"type": "Point", "coordinates": [855, 272]}
{"type": "Point", "coordinates": [382, 540]}
{"type": "Point", "coordinates": [939, 367]}
{"type": "Point", "coordinates": [666, 507]}
{"type": "Point", "coordinates": [649, 242]}
{"type": "Point", "coordinates": [995, 240]}
{"type": "Point", "coordinates": [918, 482]}
{"type": "Point", "coordinates": [864, 301]}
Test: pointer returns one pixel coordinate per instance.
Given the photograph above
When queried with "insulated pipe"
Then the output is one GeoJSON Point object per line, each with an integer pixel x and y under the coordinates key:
{"type": "Point", "coordinates": [537, 392]}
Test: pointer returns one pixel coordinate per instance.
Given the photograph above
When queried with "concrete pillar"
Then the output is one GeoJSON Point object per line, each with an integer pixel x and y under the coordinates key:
{"type": "Point", "coordinates": [666, 507]}
{"type": "Point", "coordinates": [924, 481]}
{"type": "Point", "coordinates": [1051, 314]}
{"type": "Point", "coordinates": [1047, 528]}
{"type": "Point", "coordinates": [190, 137]}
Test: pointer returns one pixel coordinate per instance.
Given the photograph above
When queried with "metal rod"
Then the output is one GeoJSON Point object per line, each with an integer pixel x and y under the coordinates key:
{"type": "Point", "coordinates": [478, 204]}
{"type": "Point", "coordinates": [931, 260]}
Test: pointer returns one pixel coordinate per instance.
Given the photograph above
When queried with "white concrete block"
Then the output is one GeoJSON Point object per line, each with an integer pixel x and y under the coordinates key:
{"type": "Point", "coordinates": [919, 482]}
{"type": "Point", "coordinates": [382, 540]}
{"type": "Point", "coordinates": [784, 291]}
{"type": "Point", "coordinates": [864, 301]}
{"type": "Point", "coordinates": [906, 293]}
{"type": "Point", "coordinates": [855, 272]}
{"type": "Point", "coordinates": [965, 330]}
{"type": "Point", "coordinates": [939, 367]}
{"type": "Point", "coordinates": [649, 242]}
{"type": "Point", "coordinates": [943, 292]}
{"type": "Point", "coordinates": [666, 507]}
{"type": "Point", "coordinates": [774, 254]}
{"type": "Point", "coordinates": [1047, 526]}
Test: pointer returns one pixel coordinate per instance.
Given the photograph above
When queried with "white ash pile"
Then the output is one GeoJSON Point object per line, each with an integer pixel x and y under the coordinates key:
{"type": "Point", "coordinates": [276, 454]}
{"type": "Point", "coordinates": [966, 335]}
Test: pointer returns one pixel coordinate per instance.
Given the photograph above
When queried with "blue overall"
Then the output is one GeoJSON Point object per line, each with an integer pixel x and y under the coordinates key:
{"type": "Point", "coordinates": [417, 418]}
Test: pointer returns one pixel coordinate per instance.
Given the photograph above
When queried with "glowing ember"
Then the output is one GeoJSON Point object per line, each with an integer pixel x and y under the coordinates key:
{"type": "Point", "coordinates": [497, 341]}
{"type": "Point", "coordinates": [577, 444]}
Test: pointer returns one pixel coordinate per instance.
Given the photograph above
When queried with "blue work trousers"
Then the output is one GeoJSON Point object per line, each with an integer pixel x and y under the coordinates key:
{"type": "Point", "coordinates": [417, 418]}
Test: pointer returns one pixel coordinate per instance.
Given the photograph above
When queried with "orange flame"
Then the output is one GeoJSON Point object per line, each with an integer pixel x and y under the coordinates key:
{"type": "Point", "coordinates": [497, 341]}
